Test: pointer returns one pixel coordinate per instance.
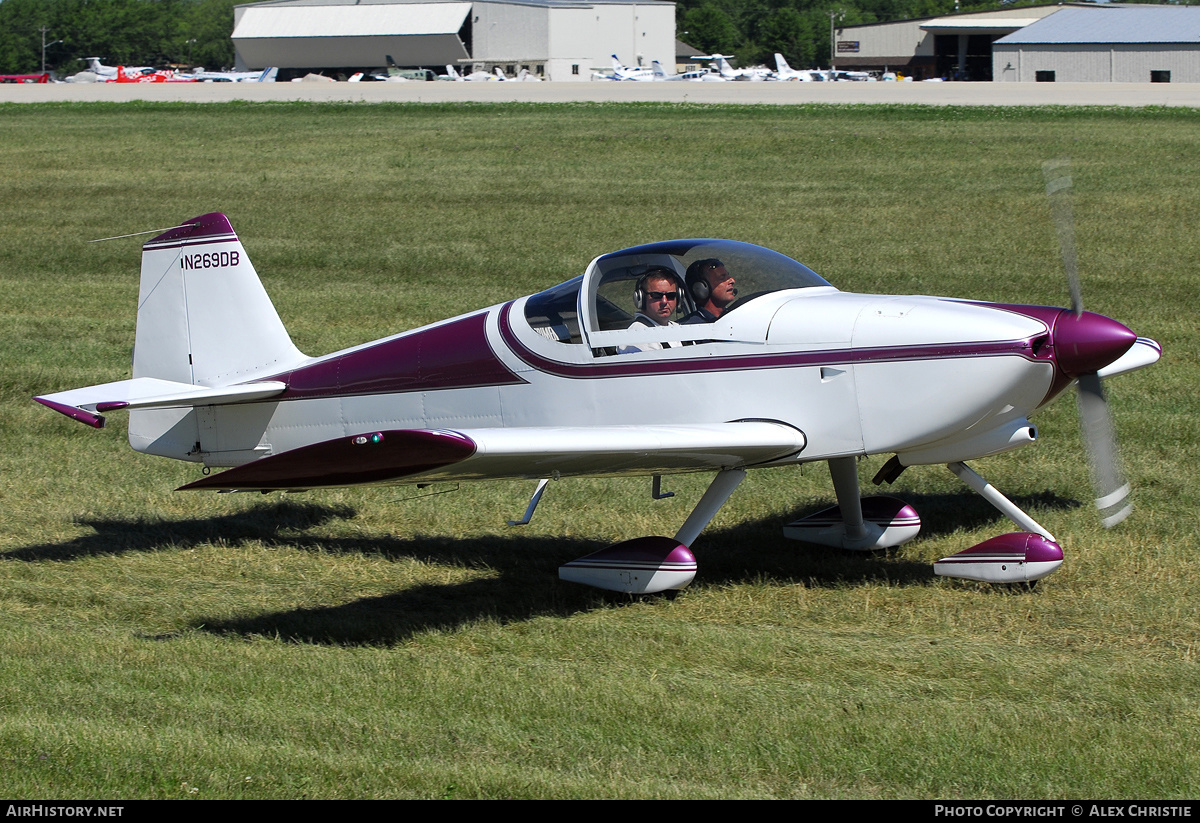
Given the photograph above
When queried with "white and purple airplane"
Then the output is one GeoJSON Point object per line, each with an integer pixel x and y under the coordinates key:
{"type": "Point", "coordinates": [793, 371]}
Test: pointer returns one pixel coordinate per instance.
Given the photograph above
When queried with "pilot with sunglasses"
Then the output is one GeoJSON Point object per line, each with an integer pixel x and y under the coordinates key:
{"type": "Point", "coordinates": [656, 297]}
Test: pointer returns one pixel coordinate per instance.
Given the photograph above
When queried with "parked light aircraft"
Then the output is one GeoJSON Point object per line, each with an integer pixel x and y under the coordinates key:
{"type": "Point", "coordinates": [523, 76]}
{"type": "Point", "coordinates": [856, 76]}
{"type": "Point", "coordinates": [200, 74]}
{"type": "Point", "coordinates": [625, 73]}
{"type": "Point", "coordinates": [107, 72]}
{"type": "Point", "coordinates": [475, 76]}
{"type": "Point", "coordinates": [98, 72]}
{"type": "Point", "coordinates": [25, 78]}
{"type": "Point", "coordinates": [785, 72]}
{"type": "Point", "coordinates": [753, 74]}
{"type": "Point", "coordinates": [794, 371]}
{"type": "Point", "coordinates": [125, 75]}
{"type": "Point", "coordinates": [696, 76]}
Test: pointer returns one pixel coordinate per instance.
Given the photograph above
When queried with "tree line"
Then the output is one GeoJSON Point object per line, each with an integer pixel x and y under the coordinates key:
{"type": "Point", "coordinates": [121, 32]}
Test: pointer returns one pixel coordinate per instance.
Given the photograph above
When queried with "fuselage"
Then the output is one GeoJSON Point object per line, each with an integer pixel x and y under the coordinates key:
{"type": "Point", "coordinates": [858, 374]}
{"type": "Point", "coordinates": [685, 355]}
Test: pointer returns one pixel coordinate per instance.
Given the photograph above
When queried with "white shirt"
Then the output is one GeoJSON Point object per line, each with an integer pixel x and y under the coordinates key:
{"type": "Point", "coordinates": [644, 321]}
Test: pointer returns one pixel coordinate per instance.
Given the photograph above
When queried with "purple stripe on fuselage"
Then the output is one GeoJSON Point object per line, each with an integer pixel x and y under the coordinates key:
{"type": "Point", "coordinates": [614, 367]}
{"type": "Point", "coordinates": [454, 355]}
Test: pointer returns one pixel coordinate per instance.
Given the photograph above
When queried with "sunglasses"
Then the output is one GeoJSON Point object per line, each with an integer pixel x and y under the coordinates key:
{"type": "Point", "coordinates": [663, 295]}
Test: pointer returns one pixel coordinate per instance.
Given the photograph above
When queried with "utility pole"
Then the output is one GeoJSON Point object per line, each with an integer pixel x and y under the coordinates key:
{"type": "Point", "coordinates": [838, 15]}
{"type": "Point", "coordinates": [44, 46]}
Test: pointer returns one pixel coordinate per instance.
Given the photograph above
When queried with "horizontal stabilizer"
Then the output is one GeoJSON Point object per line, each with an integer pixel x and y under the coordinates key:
{"type": "Point", "coordinates": [150, 393]}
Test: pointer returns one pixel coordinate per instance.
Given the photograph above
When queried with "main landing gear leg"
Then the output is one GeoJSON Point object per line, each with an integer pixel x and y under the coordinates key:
{"type": "Point", "coordinates": [722, 486]}
{"type": "Point", "coordinates": [1019, 557]}
{"type": "Point", "coordinates": [654, 564]}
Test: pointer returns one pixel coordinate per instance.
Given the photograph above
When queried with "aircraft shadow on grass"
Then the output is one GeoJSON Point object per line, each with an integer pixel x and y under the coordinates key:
{"type": "Point", "coordinates": [524, 584]}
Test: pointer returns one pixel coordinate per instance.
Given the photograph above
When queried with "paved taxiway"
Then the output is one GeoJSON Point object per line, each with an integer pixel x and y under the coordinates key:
{"type": "Point", "coordinates": [845, 93]}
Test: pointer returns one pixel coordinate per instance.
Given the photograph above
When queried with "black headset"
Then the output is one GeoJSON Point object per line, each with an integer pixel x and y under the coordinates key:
{"type": "Point", "coordinates": [697, 283]}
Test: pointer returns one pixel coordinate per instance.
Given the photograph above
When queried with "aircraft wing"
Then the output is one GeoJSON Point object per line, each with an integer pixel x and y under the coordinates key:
{"type": "Point", "coordinates": [150, 393]}
{"type": "Point", "coordinates": [428, 455]}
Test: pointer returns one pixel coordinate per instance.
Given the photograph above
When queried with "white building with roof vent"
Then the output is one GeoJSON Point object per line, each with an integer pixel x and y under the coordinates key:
{"type": "Point", "coordinates": [555, 39]}
{"type": "Point", "coordinates": [1104, 44]}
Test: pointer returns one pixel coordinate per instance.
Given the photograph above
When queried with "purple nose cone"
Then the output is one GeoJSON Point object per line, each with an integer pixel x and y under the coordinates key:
{"type": "Point", "coordinates": [1087, 343]}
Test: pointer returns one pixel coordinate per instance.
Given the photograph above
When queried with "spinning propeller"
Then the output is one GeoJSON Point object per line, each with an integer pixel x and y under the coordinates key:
{"type": "Point", "coordinates": [1112, 492]}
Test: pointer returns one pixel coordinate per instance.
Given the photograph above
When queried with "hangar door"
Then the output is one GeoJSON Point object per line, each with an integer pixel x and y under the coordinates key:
{"type": "Point", "coordinates": [414, 34]}
{"type": "Point", "coordinates": [964, 56]}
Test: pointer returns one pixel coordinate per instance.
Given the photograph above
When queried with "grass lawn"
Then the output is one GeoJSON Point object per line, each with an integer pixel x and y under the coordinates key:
{"type": "Point", "coordinates": [404, 643]}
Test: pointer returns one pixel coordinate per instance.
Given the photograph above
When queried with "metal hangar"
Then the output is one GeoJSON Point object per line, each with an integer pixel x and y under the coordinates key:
{"type": "Point", "coordinates": [554, 39]}
{"type": "Point", "coordinates": [1067, 42]}
{"type": "Point", "coordinates": [1105, 44]}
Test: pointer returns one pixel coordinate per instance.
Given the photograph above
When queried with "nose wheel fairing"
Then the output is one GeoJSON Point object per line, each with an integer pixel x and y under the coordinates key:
{"type": "Point", "coordinates": [886, 522]}
{"type": "Point", "coordinates": [1018, 557]}
{"type": "Point", "coordinates": [882, 522]}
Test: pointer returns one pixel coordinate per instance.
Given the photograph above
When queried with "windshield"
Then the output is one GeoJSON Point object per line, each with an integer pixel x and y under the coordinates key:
{"type": "Point", "coordinates": [553, 313]}
{"type": "Point", "coordinates": [740, 271]}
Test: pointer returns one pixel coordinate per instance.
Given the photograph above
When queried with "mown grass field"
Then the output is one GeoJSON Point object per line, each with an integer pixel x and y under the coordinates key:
{"type": "Point", "coordinates": [407, 644]}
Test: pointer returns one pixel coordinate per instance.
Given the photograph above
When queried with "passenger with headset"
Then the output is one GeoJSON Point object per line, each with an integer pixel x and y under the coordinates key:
{"type": "Point", "coordinates": [656, 298]}
{"type": "Point", "coordinates": [711, 287]}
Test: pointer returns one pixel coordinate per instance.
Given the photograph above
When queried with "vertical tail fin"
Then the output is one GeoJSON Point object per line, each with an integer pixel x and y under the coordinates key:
{"type": "Point", "coordinates": [203, 315]}
{"type": "Point", "coordinates": [781, 65]}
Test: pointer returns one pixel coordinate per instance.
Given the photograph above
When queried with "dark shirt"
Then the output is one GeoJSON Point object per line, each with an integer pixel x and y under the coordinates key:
{"type": "Point", "coordinates": [699, 316]}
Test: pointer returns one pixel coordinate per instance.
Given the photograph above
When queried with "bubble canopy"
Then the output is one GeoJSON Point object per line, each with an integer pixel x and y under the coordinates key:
{"type": "Point", "coordinates": [605, 295]}
{"type": "Point", "coordinates": [755, 270]}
